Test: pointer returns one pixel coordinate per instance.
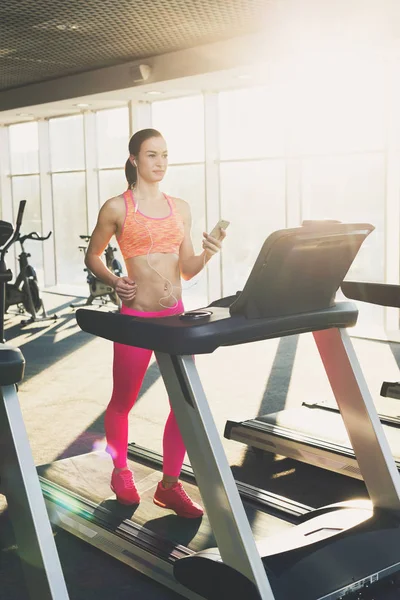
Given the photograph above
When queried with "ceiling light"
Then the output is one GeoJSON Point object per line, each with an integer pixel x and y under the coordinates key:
{"type": "Point", "coordinates": [82, 105]}
{"type": "Point", "coordinates": [67, 27]}
{"type": "Point", "coordinates": [154, 93]}
{"type": "Point", "coordinates": [24, 115]}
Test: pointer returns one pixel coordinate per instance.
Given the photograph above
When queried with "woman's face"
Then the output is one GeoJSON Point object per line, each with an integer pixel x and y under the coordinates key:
{"type": "Point", "coordinates": [152, 160]}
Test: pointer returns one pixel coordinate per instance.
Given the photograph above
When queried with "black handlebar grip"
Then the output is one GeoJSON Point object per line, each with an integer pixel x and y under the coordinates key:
{"type": "Point", "coordinates": [40, 237]}
{"type": "Point", "coordinates": [20, 214]}
{"type": "Point", "coordinates": [391, 389]}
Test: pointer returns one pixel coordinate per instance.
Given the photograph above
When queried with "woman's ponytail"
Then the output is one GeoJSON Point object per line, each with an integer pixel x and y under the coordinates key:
{"type": "Point", "coordinates": [130, 174]}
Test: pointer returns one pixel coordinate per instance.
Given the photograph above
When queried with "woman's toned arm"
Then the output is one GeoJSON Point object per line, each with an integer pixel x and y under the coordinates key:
{"type": "Point", "coordinates": [106, 227]}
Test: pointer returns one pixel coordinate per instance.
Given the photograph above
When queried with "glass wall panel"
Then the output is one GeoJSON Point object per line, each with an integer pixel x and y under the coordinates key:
{"type": "Point", "coordinates": [24, 148]}
{"type": "Point", "coordinates": [351, 189]}
{"type": "Point", "coordinates": [392, 113]}
{"type": "Point", "coordinates": [111, 183]}
{"type": "Point", "coordinates": [112, 137]}
{"type": "Point", "coordinates": [181, 122]}
{"type": "Point", "coordinates": [251, 123]}
{"type": "Point", "coordinates": [188, 183]}
{"type": "Point", "coordinates": [253, 200]}
{"type": "Point", "coordinates": [70, 221]}
{"type": "Point", "coordinates": [67, 143]}
{"type": "Point", "coordinates": [28, 188]}
{"type": "Point", "coordinates": [339, 107]}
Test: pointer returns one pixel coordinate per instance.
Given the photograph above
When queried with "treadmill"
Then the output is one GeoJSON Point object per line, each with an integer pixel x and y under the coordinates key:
{"type": "Point", "coordinates": [314, 433]}
{"type": "Point", "coordinates": [332, 551]}
{"type": "Point", "coordinates": [18, 477]}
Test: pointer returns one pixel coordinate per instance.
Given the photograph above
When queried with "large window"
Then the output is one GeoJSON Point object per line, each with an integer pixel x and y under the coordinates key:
{"type": "Point", "coordinates": [70, 221]}
{"type": "Point", "coordinates": [112, 137]}
{"type": "Point", "coordinates": [67, 144]}
{"type": "Point", "coordinates": [24, 148]}
{"type": "Point", "coordinates": [112, 183]}
{"type": "Point", "coordinates": [338, 105]}
{"type": "Point", "coordinates": [181, 122]}
{"type": "Point", "coordinates": [67, 151]}
{"type": "Point", "coordinates": [187, 182]}
{"type": "Point", "coordinates": [251, 123]}
{"type": "Point", "coordinates": [352, 189]}
{"type": "Point", "coordinates": [25, 185]}
{"type": "Point", "coordinates": [253, 200]}
{"type": "Point", "coordinates": [252, 176]}
{"type": "Point", "coordinates": [112, 128]}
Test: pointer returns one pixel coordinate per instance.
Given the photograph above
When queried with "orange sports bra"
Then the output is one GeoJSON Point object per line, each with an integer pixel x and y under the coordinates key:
{"type": "Point", "coordinates": [143, 235]}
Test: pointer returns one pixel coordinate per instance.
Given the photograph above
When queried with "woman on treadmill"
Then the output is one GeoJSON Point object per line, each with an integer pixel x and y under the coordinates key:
{"type": "Point", "coordinates": [153, 233]}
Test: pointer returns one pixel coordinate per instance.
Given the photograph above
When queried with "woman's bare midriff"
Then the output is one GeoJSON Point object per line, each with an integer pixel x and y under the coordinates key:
{"type": "Point", "coordinates": [151, 294]}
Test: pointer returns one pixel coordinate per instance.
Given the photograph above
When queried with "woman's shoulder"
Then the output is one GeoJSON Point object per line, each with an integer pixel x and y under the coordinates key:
{"type": "Point", "coordinates": [181, 205]}
{"type": "Point", "coordinates": [113, 209]}
{"type": "Point", "coordinates": [114, 204]}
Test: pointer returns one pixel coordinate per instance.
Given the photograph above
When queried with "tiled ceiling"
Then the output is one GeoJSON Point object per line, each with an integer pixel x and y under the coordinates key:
{"type": "Point", "coordinates": [44, 39]}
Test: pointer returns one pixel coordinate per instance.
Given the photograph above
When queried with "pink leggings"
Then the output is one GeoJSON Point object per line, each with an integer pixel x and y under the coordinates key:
{"type": "Point", "coordinates": [129, 368]}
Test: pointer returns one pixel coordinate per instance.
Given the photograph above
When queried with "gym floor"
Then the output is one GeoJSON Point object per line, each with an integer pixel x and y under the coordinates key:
{"type": "Point", "coordinates": [67, 386]}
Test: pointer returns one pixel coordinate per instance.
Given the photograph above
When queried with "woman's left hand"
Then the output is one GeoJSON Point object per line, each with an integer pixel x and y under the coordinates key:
{"type": "Point", "coordinates": [211, 245]}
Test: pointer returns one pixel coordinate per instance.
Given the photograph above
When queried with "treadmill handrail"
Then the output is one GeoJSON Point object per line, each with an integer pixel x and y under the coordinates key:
{"type": "Point", "coordinates": [384, 294]}
{"type": "Point", "coordinates": [179, 337]}
{"type": "Point", "coordinates": [383, 417]}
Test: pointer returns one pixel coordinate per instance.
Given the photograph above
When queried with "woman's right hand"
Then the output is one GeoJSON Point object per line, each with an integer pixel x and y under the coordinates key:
{"type": "Point", "coordinates": [125, 288]}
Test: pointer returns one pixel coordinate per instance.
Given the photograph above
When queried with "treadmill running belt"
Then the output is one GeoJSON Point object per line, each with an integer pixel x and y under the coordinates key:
{"type": "Point", "coordinates": [88, 475]}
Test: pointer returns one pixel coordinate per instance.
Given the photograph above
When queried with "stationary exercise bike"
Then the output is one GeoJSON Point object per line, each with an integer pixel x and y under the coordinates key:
{"type": "Point", "coordinates": [24, 292]}
{"type": "Point", "coordinates": [98, 289]}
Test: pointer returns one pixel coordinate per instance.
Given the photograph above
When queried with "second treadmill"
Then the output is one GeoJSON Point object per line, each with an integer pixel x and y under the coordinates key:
{"type": "Point", "coordinates": [314, 433]}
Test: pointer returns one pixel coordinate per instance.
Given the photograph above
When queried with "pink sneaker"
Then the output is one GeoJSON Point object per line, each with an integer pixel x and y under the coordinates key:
{"type": "Point", "coordinates": [177, 499]}
{"type": "Point", "coordinates": [123, 486]}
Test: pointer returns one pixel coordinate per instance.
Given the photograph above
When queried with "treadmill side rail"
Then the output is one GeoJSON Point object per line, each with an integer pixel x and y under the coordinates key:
{"type": "Point", "coordinates": [91, 531]}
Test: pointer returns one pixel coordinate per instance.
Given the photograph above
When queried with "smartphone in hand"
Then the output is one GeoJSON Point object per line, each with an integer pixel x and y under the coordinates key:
{"type": "Point", "coordinates": [216, 231]}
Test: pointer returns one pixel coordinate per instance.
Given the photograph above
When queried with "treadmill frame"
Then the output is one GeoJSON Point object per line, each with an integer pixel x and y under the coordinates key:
{"type": "Point", "coordinates": [221, 498]}
{"type": "Point", "coordinates": [20, 484]}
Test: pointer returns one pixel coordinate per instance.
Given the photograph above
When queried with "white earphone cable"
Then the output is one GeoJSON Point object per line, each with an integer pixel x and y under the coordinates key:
{"type": "Point", "coordinates": [171, 287]}
{"type": "Point", "coordinates": [168, 282]}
